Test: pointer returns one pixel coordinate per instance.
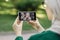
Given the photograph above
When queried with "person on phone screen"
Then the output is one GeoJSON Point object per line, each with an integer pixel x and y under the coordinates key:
{"type": "Point", "coordinates": [28, 16]}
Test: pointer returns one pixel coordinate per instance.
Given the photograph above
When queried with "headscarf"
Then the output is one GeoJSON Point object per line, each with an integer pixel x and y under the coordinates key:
{"type": "Point", "coordinates": [54, 5]}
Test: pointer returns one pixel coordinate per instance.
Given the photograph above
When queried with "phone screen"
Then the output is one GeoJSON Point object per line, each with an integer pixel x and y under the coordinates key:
{"type": "Point", "coordinates": [26, 16]}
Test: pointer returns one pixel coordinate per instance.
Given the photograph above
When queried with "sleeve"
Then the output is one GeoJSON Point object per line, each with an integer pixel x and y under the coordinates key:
{"type": "Point", "coordinates": [19, 38]}
{"type": "Point", "coordinates": [50, 3]}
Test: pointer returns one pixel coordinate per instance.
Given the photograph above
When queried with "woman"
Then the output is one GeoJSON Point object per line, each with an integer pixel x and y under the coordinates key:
{"type": "Point", "coordinates": [53, 12]}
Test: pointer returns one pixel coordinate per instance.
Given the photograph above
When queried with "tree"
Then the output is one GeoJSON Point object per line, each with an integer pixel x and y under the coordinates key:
{"type": "Point", "coordinates": [27, 5]}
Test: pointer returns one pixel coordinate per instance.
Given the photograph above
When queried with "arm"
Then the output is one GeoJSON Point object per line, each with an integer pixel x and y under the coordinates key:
{"type": "Point", "coordinates": [36, 25]}
{"type": "Point", "coordinates": [17, 27]}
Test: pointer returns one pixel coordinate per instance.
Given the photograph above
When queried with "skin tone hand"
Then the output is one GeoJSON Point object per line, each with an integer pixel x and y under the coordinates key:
{"type": "Point", "coordinates": [35, 24]}
{"type": "Point", "coordinates": [17, 27]}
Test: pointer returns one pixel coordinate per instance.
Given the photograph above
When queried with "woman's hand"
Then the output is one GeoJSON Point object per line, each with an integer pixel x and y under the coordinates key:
{"type": "Point", "coordinates": [35, 24]}
{"type": "Point", "coordinates": [17, 26]}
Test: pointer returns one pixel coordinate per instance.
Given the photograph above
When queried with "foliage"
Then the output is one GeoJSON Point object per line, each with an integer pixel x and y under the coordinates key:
{"type": "Point", "coordinates": [27, 5]}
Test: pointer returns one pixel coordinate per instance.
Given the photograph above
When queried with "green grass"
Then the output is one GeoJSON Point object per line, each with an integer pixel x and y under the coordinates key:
{"type": "Point", "coordinates": [6, 22]}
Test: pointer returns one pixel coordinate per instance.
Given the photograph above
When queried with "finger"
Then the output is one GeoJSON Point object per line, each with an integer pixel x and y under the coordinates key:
{"type": "Point", "coordinates": [30, 21]}
{"type": "Point", "coordinates": [17, 21]}
{"type": "Point", "coordinates": [33, 20]}
{"type": "Point", "coordinates": [20, 24]}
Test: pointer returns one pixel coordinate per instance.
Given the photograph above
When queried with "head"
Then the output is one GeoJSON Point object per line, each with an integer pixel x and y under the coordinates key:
{"type": "Point", "coordinates": [54, 5]}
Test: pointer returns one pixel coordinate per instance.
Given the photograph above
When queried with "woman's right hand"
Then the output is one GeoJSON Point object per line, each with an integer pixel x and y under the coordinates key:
{"type": "Point", "coordinates": [35, 24]}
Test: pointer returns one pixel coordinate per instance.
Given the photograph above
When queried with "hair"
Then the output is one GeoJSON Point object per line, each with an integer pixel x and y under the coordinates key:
{"type": "Point", "coordinates": [54, 5]}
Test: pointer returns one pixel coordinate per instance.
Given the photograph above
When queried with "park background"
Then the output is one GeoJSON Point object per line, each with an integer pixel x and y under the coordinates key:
{"type": "Point", "coordinates": [8, 13]}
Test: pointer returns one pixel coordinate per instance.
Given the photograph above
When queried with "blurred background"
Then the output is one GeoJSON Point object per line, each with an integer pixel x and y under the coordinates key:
{"type": "Point", "coordinates": [9, 10]}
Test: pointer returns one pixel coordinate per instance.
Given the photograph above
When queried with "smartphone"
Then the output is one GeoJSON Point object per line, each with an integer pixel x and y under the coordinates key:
{"type": "Point", "coordinates": [26, 16]}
